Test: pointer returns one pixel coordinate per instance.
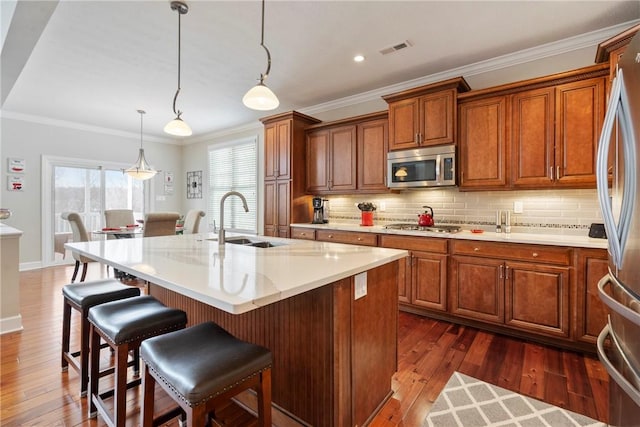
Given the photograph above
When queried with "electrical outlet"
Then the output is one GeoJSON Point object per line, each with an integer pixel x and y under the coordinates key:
{"type": "Point", "coordinates": [518, 207]}
{"type": "Point", "coordinates": [361, 285]}
{"type": "Point", "coordinates": [383, 206]}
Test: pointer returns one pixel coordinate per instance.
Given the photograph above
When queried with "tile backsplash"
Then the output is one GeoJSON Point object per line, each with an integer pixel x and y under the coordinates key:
{"type": "Point", "coordinates": [544, 211]}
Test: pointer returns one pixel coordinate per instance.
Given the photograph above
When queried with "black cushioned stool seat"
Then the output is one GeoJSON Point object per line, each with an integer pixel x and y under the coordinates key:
{"type": "Point", "coordinates": [124, 325]}
{"type": "Point", "coordinates": [200, 366]}
{"type": "Point", "coordinates": [81, 297]}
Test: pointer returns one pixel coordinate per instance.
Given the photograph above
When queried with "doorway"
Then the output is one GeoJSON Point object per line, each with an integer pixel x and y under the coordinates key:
{"type": "Point", "coordinates": [88, 188]}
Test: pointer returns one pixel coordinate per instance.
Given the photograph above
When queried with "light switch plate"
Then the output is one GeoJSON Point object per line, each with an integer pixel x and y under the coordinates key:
{"type": "Point", "coordinates": [518, 207]}
{"type": "Point", "coordinates": [361, 285]}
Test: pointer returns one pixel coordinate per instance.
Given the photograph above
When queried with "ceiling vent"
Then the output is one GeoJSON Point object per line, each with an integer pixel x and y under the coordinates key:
{"type": "Point", "coordinates": [396, 47]}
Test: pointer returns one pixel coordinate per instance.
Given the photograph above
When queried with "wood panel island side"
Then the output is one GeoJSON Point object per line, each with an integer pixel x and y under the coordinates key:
{"type": "Point", "coordinates": [334, 355]}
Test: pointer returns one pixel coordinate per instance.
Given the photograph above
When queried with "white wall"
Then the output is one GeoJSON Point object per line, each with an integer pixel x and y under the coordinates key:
{"type": "Point", "coordinates": [30, 141]}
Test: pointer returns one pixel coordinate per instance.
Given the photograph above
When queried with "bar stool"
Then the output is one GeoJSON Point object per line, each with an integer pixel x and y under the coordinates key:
{"type": "Point", "coordinates": [199, 367]}
{"type": "Point", "coordinates": [123, 325]}
{"type": "Point", "coordinates": [81, 297]}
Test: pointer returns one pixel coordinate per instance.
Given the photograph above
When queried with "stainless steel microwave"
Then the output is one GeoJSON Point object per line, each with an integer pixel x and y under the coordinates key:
{"type": "Point", "coordinates": [422, 167]}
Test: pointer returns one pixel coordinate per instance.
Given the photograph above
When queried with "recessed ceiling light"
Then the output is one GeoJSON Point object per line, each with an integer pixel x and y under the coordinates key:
{"type": "Point", "coordinates": [358, 58]}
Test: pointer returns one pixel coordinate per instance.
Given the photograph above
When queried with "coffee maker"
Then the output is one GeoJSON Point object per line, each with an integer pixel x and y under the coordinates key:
{"type": "Point", "coordinates": [320, 211]}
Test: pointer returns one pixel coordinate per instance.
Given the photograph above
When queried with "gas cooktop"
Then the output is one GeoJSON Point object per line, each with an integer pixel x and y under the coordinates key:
{"type": "Point", "coordinates": [434, 229]}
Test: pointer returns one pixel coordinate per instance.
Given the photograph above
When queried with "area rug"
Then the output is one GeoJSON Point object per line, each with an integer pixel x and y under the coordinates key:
{"type": "Point", "coordinates": [469, 402]}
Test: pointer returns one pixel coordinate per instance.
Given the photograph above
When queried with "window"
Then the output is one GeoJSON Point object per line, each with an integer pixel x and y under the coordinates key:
{"type": "Point", "coordinates": [233, 166]}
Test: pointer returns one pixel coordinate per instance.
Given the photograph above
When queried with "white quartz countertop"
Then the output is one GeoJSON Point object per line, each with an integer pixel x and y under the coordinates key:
{"type": "Point", "coordinates": [235, 278]}
{"type": "Point", "coordinates": [490, 236]}
{"type": "Point", "coordinates": [7, 231]}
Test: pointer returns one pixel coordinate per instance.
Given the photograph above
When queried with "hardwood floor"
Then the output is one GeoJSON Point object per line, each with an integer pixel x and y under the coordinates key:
{"type": "Point", "coordinates": [36, 393]}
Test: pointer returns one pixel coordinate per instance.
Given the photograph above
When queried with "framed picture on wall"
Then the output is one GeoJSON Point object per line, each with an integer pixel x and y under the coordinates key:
{"type": "Point", "coordinates": [194, 185]}
{"type": "Point", "coordinates": [16, 165]}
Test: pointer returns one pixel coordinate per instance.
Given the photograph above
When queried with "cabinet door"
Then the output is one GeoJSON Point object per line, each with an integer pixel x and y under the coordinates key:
{"type": "Point", "coordinates": [404, 124]}
{"type": "Point", "coordinates": [342, 158]}
{"type": "Point", "coordinates": [483, 143]}
{"type": "Point", "coordinates": [591, 313]}
{"type": "Point", "coordinates": [404, 280]}
{"type": "Point", "coordinates": [283, 158]}
{"type": "Point", "coordinates": [532, 138]}
{"type": "Point", "coordinates": [429, 278]}
{"type": "Point", "coordinates": [437, 118]}
{"type": "Point", "coordinates": [477, 288]}
{"type": "Point", "coordinates": [270, 151]}
{"type": "Point", "coordinates": [270, 208]}
{"type": "Point", "coordinates": [537, 298]}
{"type": "Point", "coordinates": [317, 161]}
{"type": "Point", "coordinates": [283, 191]}
{"type": "Point", "coordinates": [579, 117]}
{"type": "Point", "coordinates": [372, 155]}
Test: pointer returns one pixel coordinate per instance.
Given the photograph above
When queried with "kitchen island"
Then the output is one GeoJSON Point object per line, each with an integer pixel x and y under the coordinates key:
{"type": "Point", "coordinates": [334, 354]}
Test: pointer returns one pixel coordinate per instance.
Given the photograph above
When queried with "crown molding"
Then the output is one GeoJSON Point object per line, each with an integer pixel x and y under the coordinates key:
{"type": "Point", "coordinates": [83, 127]}
{"type": "Point", "coordinates": [248, 127]}
{"type": "Point", "coordinates": [559, 47]}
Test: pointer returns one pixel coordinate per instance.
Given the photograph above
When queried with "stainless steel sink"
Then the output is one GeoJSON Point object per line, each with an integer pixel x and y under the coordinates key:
{"type": "Point", "coordinates": [255, 243]}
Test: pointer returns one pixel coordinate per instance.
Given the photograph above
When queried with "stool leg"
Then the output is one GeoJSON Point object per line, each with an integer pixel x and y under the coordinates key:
{"type": "Point", "coordinates": [136, 362]}
{"type": "Point", "coordinates": [94, 376]}
{"type": "Point", "coordinates": [197, 416]}
{"type": "Point", "coordinates": [120, 385]}
{"type": "Point", "coordinates": [66, 331]}
{"type": "Point", "coordinates": [84, 353]}
{"type": "Point", "coordinates": [264, 399]}
{"type": "Point", "coordinates": [149, 388]}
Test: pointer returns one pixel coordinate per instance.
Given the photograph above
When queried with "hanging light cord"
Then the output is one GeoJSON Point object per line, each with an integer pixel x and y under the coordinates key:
{"type": "Point", "coordinates": [142, 113]}
{"type": "Point", "coordinates": [266, 73]}
{"type": "Point", "coordinates": [181, 9]}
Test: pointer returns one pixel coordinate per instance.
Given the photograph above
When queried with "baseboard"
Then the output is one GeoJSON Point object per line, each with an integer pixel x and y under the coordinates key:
{"type": "Point", "coordinates": [34, 265]}
{"type": "Point", "coordinates": [10, 324]}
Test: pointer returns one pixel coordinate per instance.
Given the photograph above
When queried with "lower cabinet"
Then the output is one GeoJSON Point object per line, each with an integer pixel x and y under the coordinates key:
{"type": "Point", "coordinates": [423, 276]}
{"type": "Point", "coordinates": [497, 286]}
{"type": "Point", "coordinates": [590, 312]}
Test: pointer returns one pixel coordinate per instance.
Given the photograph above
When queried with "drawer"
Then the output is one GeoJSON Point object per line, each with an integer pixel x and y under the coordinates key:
{"type": "Point", "coordinates": [354, 238]}
{"type": "Point", "coordinates": [424, 244]}
{"type": "Point", "coordinates": [303, 233]}
{"type": "Point", "coordinates": [512, 251]}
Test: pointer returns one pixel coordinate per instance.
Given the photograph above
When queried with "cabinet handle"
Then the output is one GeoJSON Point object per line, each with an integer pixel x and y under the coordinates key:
{"type": "Point", "coordinates": [303, 234]}
{"type": "Point", "coordinates": [551, 172]}
{"type": "Point", "coordinates": [557, 172]}
{"type": "Point", "coordinates": [476, 249]}
{"type": "Point", "coordinates": [535, 254]}
{"type": "Point", "coordinates": [330, 236]}
{"type": "Point", "coordinates": [359, 239]}
{"type": "Point", "coordinates": [506, 273]}
{"type": "Point", "coordinates": [501, 271]}
{"type": "Point", "coordinates": [418, 138]}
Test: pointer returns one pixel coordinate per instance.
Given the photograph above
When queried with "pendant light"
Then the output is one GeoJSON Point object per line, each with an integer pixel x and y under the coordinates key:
{"type": "Point", "coordinates": [141, 169]}
{"type": "Point", "coordinates": [177, 126]}
{"type": "Point", "coordinates": [260, 97]}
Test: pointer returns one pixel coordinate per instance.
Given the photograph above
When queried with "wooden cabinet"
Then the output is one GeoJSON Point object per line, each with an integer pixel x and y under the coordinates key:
{"type": "Point", "coordinates": [611, 50]}
{"type": "Point", "coordinates": [425, 115]}
{"type": "Point", "coordinates": [590, 312]}
{"type": "Point", "coordinates": [521, 286]}
{"type": "Point", "coordinates": [372, 155]}
{"type": "Point", "coordinates": [347, 155]}
{"type": "Point", "coordinates": [350, 237]}
{"type": "Point", "coordinates": [483, 143]}
{"type": "Point", "coordinates": [422, 281]}
{"type": "Point", "coordinates": [539, 133]}
{"type": "Point", "coordinates": [303, 233]}
{"type": "Point", "coordinates": [285, 198]}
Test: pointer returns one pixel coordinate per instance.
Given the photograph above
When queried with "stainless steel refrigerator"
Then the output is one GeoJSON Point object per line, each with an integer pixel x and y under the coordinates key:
{"type": "Point", "coordinates": [619, 147]}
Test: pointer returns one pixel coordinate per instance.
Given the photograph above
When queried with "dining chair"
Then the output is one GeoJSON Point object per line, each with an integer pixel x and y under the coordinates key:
{"type": "Point", "coordinates": [160, 224]}
{"type": "Point", "coordinates": [118, 218]}
{"type": "Point", "coordinates": [192, 221]}
{"type": "Point", "coordinates": [79, 234]}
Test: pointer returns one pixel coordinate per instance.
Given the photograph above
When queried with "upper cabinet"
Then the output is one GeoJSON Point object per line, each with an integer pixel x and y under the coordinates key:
{"type": "Point", "coordinates": [347, 155]}
{"type": "Point", "coordinates": [540, 133]}
{"type": "Point", "coordinates": [610, 51]}
{"type": "Point", "coordinates": [425, 115]}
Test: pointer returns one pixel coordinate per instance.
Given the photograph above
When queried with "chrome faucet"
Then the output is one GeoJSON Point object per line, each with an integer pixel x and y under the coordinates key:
{"type": "Point", "coordinates": [221, 232]}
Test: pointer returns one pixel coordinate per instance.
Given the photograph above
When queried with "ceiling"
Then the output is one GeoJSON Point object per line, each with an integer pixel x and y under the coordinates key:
{"type": "Point", "coordinates": [94, 63]}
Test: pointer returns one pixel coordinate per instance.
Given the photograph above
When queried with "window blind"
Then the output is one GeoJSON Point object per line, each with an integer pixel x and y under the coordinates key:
{"type": "Point", "coordinates": [233, 167]}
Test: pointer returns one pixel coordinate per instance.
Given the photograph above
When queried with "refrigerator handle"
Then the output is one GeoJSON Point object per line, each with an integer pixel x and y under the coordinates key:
{"type": "Point", "coordinates": [614, 305]}
{"type": "Point", "coordinates": [624, 384]}
{"type": "Point", "coordinates": [601, 171]}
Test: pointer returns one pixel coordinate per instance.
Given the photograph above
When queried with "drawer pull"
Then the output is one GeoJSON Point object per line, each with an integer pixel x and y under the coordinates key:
{"type": "Point", "coordinates": [476, 249]}
{"type": "Point", "coordinates": [535, 254]}
{"type": "Point", "coordinates": [359, 239]}
{"type": "Point", "coordinates": [330, 236]}
{"type": "Point", "coordinates": [303, 234]}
